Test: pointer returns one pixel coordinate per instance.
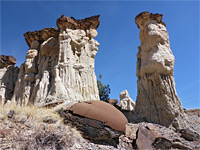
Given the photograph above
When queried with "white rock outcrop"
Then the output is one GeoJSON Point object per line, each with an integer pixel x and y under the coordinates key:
{"type": "Point", "coordinates": [8, 77]}
{"type": "Point", "coordinates": [125, 101]}
{"type": "Point", "coordinates": [59, 65]}
{"type": "Point", "coordinates": [157, 100]}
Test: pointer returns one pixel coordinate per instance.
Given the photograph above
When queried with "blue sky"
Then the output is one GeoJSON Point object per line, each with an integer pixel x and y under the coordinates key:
{"type": "Point", "coordinates": [118, 36]}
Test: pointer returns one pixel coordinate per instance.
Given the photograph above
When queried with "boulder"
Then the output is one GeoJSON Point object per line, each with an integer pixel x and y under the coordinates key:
{"type": "Point", "coordinates": [125, 101]}
{"type": "Point", "coordinates": [103, 112]}
{"type": "Point", "coordinates": [98, 121]}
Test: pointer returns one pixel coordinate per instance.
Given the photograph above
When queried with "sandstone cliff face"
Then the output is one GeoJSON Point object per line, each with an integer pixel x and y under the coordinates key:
{"type": "Point", "coordinates": [59, 64]}
{"type": "Point", "coordinates": [157, 100]}
{"type": "Point", "coordinates": [8, 77]}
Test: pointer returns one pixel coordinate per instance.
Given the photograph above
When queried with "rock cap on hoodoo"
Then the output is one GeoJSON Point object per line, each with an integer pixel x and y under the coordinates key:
{"type": "Point", "coordinates": [7, 60]}
{"type": "Point", "coordinates": [69, 22]}
{"type": "Point", "coordinates": [41, 35]}
{"type": "Point", "coordinates": [146, 16]}
{"type": "Point", "coordinates": [63, 22]}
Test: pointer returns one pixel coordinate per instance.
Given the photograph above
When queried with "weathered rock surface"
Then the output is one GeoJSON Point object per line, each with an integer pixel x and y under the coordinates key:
{"type": "Point", "coordinates": [145, 138]}
{"type": "Point", "coordinates": [125, 101]}
{"type": "Point", "coordinates": [59, 64]}
{"type": "Point", "coordinates": [6, 61]}
{"type": "Point", "coordinates": [157, 100]}
{"type": "Point", "coordinates": [8, 77]}
{"type": "Point", "coordinates": [71, 23]}
{"type": "Point", "coordinates": [41, 35]}
{"type": "Point", "coordinates": [103, 112]}
{"type": "Point", "coordinates": [194, 119]}
{"type": "Point", "coordinates": [154, 136]}
{"type": "Point", "coordinates": [98, 121]}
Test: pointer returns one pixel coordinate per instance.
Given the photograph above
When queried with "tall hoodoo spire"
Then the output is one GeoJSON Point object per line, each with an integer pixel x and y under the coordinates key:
{"type": "Point", "coordinates": [157, 100]}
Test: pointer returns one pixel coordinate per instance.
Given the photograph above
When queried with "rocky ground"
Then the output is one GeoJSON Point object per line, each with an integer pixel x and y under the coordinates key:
{"type": "Point", "coordinates": [29, 130]}
{"type": "Point", "coordinates": [24, 128]}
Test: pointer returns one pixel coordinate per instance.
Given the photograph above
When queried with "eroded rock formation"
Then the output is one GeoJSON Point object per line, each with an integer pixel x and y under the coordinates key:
{"type": "Point", "coordinates": [8, 77]}
{"type": "Point", "coordinates": [59, 64]}
{"type": "Point", "coordinates": [157, 100]}
{"type": "Point", "coordinates": [125, 101]}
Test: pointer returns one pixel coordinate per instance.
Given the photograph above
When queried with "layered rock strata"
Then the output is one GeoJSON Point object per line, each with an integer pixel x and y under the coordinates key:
{"type": "Point", "coordinates": [157, 100]}
{"type": "Point", "coordinates": [8, 77]}
{"type": "Point", "coordinates": [59, 64]}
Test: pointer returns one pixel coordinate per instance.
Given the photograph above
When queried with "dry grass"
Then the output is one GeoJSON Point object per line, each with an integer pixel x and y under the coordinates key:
{"type": "Point", "coordinates": [32, 113]}
{"type": "Point", "coordinates": [36, 128]}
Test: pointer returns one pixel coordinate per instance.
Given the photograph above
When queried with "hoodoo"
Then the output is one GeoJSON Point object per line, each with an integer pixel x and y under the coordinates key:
{"type": "Point", "coordinates": [59, 65]}
{"type": "Point", "coordinates": [8, 77]}
{"type": "Point", "coordinates": [157, 100]}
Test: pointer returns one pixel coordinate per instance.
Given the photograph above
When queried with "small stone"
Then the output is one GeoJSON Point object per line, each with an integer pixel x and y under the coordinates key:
{"type": "Point", "coordinates": [151, 127]}
{"type": "Point", "coordinates": [2, 117]}
{"type": "Point", "coordinates": [21, 118]}
{"type": "Point", "coordinates": [162, 143]}
{"type": "Point", "coordinates": [131, 130]}
{"type": "Point", "coordinates": [76, 145]}
{"type": "Point", "coordinates": [179, 145]}
{"type": "Point", "coordinates": [6, 132]}
{"type": "Point", "coordinates": [10, 113]}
